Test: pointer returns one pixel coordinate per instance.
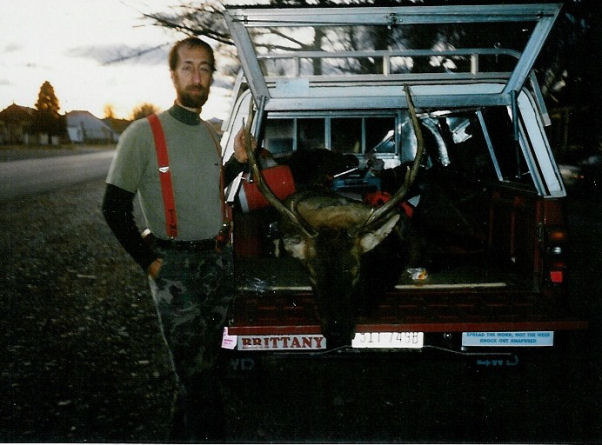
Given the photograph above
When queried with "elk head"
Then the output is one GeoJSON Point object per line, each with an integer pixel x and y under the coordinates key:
{"type": "Point", "coordinates": [330, 233]}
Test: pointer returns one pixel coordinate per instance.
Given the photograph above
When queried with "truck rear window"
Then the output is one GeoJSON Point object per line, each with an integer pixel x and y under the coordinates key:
{"type": "Point", "coordinates": [348, 135]}
{"type": "Point", "coordinates": [477, 144]}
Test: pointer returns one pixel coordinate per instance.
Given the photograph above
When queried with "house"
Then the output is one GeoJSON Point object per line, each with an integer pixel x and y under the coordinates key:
{"type": "Point", "coordinates": [84, 127]}
{"type": "Point", "coordinates": [16, 124]}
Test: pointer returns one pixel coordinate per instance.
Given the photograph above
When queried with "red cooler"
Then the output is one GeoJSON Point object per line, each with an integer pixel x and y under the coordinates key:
{"type": "Point", "coordinates": [279, 179]}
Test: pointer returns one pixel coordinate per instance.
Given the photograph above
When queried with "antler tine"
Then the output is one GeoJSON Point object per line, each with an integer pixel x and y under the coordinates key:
{"type": "Point", "coordinates": [410, 174]}
{"type": "Point", "coordinates": [264, 188]}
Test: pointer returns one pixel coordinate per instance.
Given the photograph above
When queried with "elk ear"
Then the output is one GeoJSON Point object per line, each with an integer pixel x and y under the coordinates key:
{"type": "Point", "coordinates": [296, 246]}
{"type": "Point", "coordinates": [373, 238]}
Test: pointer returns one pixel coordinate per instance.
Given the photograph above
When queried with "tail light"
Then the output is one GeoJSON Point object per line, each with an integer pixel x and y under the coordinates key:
{"type": "Point", "coordinates": [555, 245]}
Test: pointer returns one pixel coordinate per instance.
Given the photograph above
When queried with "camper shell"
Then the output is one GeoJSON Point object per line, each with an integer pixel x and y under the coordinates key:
{"type": "Point", "coordinates": [334, 78]}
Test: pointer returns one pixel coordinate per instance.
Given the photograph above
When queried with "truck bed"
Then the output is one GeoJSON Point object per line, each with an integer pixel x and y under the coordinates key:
{"type": "Point", "coordinates": [275, 298]}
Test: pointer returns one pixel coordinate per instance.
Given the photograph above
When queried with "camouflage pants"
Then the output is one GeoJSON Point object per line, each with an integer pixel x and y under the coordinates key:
{"type": "Point", "coordinates": [192, 295]}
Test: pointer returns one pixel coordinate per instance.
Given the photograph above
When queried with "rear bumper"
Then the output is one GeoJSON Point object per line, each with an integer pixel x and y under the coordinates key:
{"type": "Point", "coordinates": [416, 310]}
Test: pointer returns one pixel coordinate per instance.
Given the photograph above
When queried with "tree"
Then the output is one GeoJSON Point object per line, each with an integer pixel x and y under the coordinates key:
{"type": "Point", "coordinates": [109, 111]}
{"type": "Point", "coordinates": [191, 18]}
{"type": "Point", "coordinates": [47, 100]}
{"type": "Point", "coordinates": [48, 120]}
{"type": "Point", "coordinates": [572, 74]}
{"type": "Point", "coordinates": [569, 77]}
{"type": "Point", "coordinates": [143, 110]}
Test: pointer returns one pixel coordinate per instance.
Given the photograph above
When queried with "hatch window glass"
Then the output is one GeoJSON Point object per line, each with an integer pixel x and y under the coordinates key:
{"type": "Point", "coordinates": [486, 152]}
{"type": "Point", "coordinates": [417, 48]}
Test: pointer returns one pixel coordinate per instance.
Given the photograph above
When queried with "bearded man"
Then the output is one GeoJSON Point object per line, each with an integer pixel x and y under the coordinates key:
{"type": "Point", "coordinates": [173, 162]}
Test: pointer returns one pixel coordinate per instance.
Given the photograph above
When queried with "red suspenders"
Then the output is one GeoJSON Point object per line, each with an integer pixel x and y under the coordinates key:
{"type": "Point", "coordinates": [169, 203]}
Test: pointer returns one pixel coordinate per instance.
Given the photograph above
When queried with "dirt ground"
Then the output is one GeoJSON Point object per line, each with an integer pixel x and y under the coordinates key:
{"type": "Point", "coordinates": [82, 359]}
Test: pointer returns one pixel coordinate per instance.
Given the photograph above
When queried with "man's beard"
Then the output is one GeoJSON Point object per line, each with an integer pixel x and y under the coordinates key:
{"type": "Point", "coordinates": [194, 100]}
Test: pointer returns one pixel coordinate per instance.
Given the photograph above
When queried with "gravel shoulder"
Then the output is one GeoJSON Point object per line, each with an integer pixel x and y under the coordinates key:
{"type": "Point", "coordinates": [82, 355]}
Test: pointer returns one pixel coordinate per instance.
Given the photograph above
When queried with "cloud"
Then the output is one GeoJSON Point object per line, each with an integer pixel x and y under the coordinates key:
{"type": "Point", "coordinates": [10, 48]}
{"type": "Point", "coordinates": [122, 54]}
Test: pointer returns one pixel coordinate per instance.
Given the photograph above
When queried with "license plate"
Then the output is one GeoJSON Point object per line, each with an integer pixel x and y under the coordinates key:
{"type": "Point", "coordinates": [508, 339]}
{"type": "Point", "coordinates": [400, 340]}
{"type": "Point", "coordinates": [288, 342]}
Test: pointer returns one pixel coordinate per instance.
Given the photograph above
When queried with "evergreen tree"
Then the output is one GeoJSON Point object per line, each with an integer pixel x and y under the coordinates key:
{"type": "Point", "coordinates": [47, 100]}
{"type": "Point", "coordinates": [48, 120]}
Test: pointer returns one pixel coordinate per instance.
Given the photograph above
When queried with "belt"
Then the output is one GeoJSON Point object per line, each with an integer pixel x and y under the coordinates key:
{"type": "Point", "coordinates": [204, 244]}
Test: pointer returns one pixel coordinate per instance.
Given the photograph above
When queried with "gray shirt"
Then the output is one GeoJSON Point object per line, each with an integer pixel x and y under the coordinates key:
{"type": "Point", "coordinates": [194, 163]}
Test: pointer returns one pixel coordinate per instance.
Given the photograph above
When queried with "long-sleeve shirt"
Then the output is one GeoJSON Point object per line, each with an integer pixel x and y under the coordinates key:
{"type": "Point", "coordinates": [194, 161]}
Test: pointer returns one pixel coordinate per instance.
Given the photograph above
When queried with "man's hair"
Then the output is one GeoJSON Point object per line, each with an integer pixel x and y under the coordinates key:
{"type": "Point", "coordinates": [190, 42]}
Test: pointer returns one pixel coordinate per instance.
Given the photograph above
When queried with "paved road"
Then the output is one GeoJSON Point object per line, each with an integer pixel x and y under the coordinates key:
{"type": "Point", "coordinates": [30, 176]}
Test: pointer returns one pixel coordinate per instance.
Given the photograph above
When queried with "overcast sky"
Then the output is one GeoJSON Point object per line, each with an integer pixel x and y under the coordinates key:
{"type": "Point", "coordinates": [69, 42]}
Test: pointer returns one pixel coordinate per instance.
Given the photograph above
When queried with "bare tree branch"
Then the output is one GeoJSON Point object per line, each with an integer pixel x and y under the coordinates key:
{"type": "Point", "coordinates": [204, 20]}
{"type": "Point", "coordinates": [134, 54]}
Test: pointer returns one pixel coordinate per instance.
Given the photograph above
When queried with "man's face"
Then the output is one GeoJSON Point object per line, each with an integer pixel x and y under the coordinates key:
{"type": "Point", "coordinates": [192, 77]}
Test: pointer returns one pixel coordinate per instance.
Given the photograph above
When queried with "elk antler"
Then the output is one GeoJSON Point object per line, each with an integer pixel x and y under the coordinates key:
{"type": "Point", "coordinates": [265, 190]}
{"type": "Point", "coordinates": [410, 174]}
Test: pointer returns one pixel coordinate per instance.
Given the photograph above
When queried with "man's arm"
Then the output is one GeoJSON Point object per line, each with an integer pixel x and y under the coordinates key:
{"type": "Point", "coordinates": [117, 208]}
{"type": "Point", "coordinates": [232, 168]}
{"type": "Point", "coordinates": [238, 161]}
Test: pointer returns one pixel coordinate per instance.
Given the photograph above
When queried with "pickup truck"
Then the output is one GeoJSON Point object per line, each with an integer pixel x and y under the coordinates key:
{"type": "Point", "coordinates": [488, 199]}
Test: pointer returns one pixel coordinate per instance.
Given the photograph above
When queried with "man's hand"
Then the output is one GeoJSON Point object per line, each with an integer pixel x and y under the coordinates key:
{"type": "Point", "coordinates": [240, 148]}
{"type": "Point", "coordinates": [154, 268]}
